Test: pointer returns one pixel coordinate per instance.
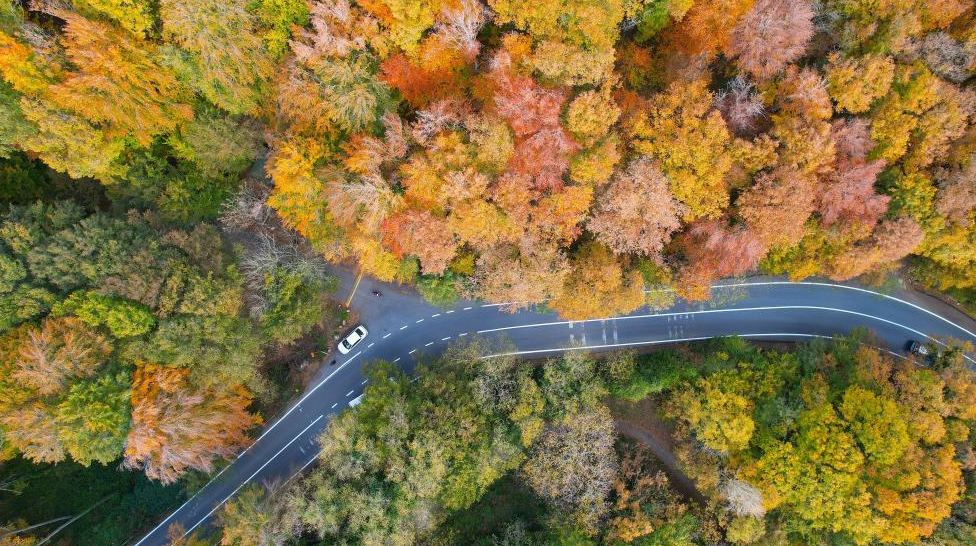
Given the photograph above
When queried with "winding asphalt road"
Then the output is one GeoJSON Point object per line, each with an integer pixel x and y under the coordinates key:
{"type": "Point", "coordinates": [402, 328]}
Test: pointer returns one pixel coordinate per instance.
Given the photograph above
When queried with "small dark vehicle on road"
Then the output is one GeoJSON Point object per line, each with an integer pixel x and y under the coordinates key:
{"type": "Point", "coordinates": [918, 348]}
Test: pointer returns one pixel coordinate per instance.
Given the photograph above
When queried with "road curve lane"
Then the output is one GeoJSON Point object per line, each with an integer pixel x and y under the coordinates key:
{"type": "Point", "coordinates": [403, 328]}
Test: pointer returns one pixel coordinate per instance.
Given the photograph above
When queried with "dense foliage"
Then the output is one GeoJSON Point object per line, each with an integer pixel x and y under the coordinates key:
{"type": "Point", "coordinates": [572, 152]}
{"type": "Point", "coordinates": [124, 337]}
{"type": "Point", "coordinates": [37, 493]}
{"type": "Point", "coordinates": [830, 444]}
{"type": "Point", "coordinates": [835, 442]}
{"type": "Point", "coordinates": [559, 157]}
{"type": "Point", "coordinates": [504, 148]}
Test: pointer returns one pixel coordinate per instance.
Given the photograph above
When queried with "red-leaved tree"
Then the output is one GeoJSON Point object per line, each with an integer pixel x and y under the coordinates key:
{"type": "Point", "coordinates": [772, 34]}
{"type": "Point", "coordinates": [714, 249]}
{"type": "Point", "coordinates": [420, 234]}
{"type": "Point", "coordinates": [778, 205]}
{"type": "Point", "coordinates": [637, 213]}
{"type": "Point", "coordinates": [849, 196]}
{"type": "Point", "coordinates": [543, 145]}
{"type": "Point", "coordinates": [176, 429]}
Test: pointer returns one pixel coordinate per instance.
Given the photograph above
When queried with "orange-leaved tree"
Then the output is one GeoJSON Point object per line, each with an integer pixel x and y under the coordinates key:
{"type": "Point", "coordinates": [176, 428]}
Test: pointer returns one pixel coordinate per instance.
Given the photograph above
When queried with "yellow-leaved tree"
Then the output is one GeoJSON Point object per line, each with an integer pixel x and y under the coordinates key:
{"type": "Point", "coordinates": [692, 145]}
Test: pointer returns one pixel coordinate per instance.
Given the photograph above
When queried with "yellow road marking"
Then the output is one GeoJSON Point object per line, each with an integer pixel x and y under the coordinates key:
{"type": "Point", "coordinates": [354, 287]}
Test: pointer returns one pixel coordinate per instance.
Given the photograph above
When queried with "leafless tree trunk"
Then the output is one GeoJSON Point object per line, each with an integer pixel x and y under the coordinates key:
{"type": "Point", "coordinates": [34, 526]}
{"type": "Point", "coordinates": [72, 520]}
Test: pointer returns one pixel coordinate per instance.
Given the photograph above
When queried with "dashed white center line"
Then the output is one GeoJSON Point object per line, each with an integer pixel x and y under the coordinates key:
{"type": "Point", "coordinates": [404, 327]}
{"type": "Point", "coordinates": [370, 345]}
{"type": "Point", "coordinates": [429, 344]}
{"type": "Point", "coordinates": [462, 335]}
{"type": "Point", "coordinates": [419, 321]}
{"type": "Point", "coordinates": [448, 312]}
{"type": "Point", "coordinates": [412, 351]}
{"type": "Point", "coordinates": [435, 315]}
{"type": "Point", "coordinates": [364, 381]}
{"type": "Point", "coordinates": [334, 405]}
{"type": "Point", "coordinates": [466, 309]}
{"type": "Point", "coordinates": [350, 393]}
{"type": "Point", "coordinates": [397, 360]}
{"type": "Point", "coordinates": [445, 338]}
{"type": "Point", "coordinates": [415, 379]}
{"type": "Point", "coordinates": [387, 335]}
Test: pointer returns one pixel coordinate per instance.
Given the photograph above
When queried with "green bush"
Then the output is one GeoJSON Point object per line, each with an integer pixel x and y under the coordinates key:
{"type": "Point", "coordinates": [680, 532]}
{"type": "Point", "coordinates": [654, 18]}
{"type": "Point", "coordinates": [636, 390]}
{"type": "Point", "coordinates": [294, 304]}
{"type": "Point", "coordinates": [123, 318]}
{"type": "Point", "coordinates": [439, 290]}
{"type": "Point", "coordinates": [745, 530]}
{"type": "Point", "coordinates": [654, 373]}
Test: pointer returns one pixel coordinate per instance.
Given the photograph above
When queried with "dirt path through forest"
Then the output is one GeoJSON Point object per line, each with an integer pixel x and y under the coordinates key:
{"type": "Point", "coordinates": [640, 422]}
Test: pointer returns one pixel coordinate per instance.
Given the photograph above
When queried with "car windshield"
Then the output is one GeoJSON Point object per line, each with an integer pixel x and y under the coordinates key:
{"type": "Point", "coordinates": [346, 344]}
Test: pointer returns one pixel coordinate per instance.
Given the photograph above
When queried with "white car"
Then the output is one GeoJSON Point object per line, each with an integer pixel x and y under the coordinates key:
{"type": "Point", "coordinates": [358, 334]}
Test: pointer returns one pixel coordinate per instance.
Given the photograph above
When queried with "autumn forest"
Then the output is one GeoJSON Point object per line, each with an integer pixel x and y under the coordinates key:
{"type": "Point", "coordinates": [177, 177]}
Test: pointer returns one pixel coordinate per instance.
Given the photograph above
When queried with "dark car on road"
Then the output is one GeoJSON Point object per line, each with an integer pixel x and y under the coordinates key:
{"type": "Point", "coordinates": [918, 348]}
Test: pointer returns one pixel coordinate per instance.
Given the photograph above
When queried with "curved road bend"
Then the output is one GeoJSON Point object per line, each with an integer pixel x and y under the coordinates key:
{"type": "Point", "coordinates": [402, 328]}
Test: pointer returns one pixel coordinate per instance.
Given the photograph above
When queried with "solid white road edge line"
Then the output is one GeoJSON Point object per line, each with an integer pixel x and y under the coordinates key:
{"type": "Point", "coordinates": [801, 283]}
{"type": "Point", "coordinates": [736, 310]}
{"type": "Point", "coordinates": [845, 287]}
{"type": "Point", "coordinates": [731, 285]}
{"type": "Point", "coordinates": [302, 399]}
{"type": "Point", "coordinates": [702, 312]}
{"type": "Point", "coordinates": [251, 477]}
{"type": "Point", "coordinates": [300, 470]}
{"type": "Point", "coordinates": [269, 429]}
